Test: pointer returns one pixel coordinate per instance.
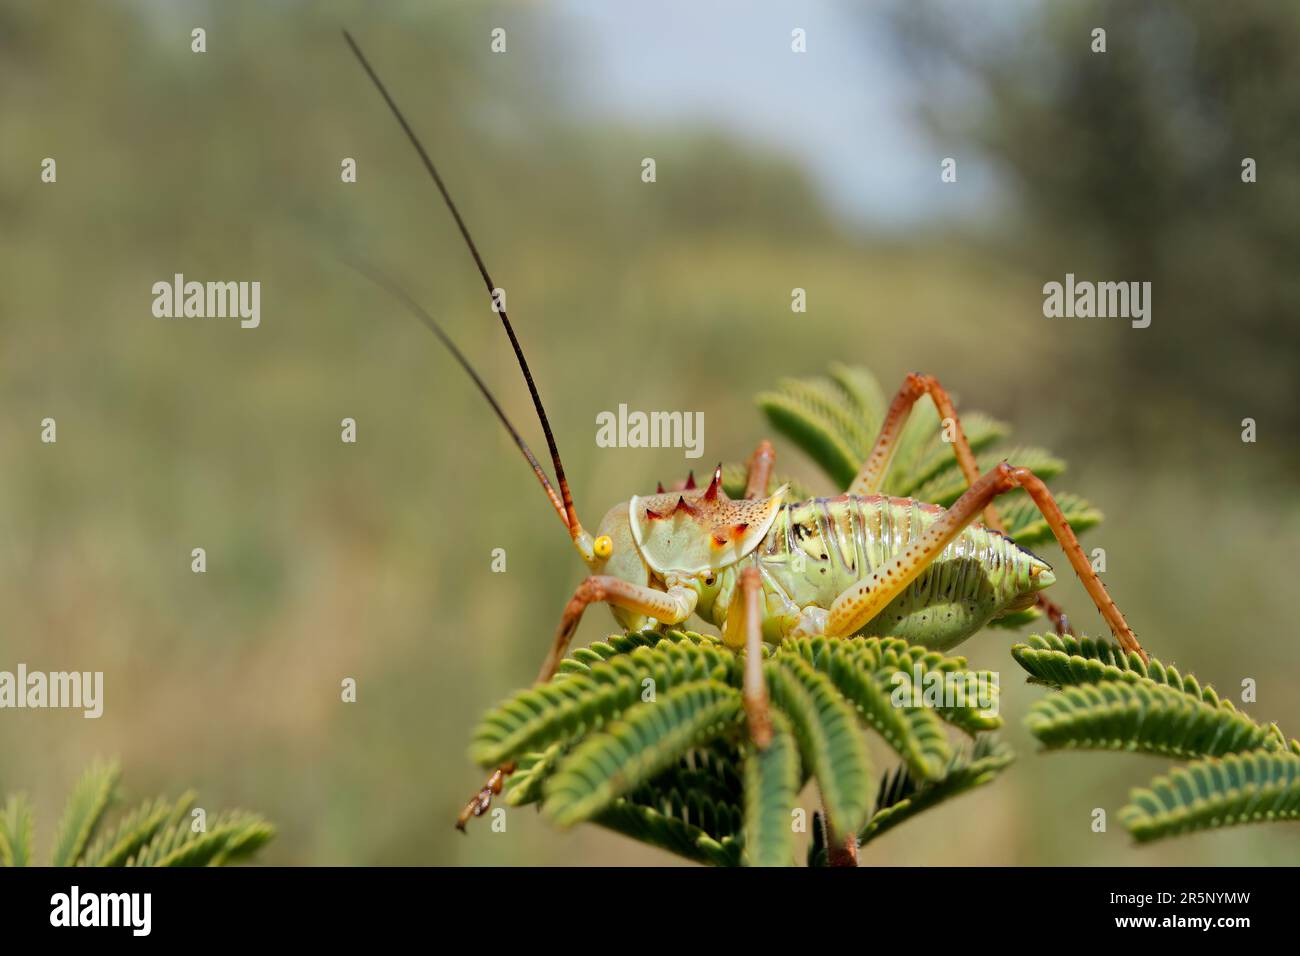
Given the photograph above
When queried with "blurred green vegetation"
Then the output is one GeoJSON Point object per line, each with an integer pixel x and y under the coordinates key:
{"type": "Point", "coordinates": [1127, 165]}
{"type": "Point", "coordinates": [372, 560]}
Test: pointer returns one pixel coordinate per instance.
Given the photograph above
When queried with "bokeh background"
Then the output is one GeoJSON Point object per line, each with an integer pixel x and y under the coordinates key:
{"type": "Point", "coordinates": [775, 170]}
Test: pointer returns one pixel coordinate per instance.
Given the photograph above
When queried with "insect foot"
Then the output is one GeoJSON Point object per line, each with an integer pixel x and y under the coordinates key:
{"type": "Point", "coordinates": [481, 801]}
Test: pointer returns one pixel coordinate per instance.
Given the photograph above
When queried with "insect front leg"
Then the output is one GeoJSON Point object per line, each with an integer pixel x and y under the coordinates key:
{"type": "Point", "coordinates": [857, 605]}
{"type": "Point", "coordinates": [760, 470]}
{"type": "Point", "coordinates": [669, 607]}
{"type": "Point", "coordinates": [872, 474]}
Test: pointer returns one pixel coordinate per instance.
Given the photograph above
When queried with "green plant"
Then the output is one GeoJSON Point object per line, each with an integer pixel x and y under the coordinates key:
{"type": "Point", "coordinates": [1240, 771]}
{"type": "Point", "coordinates": [674, 769]}
{"type": "Point", "coordinates": [159, 832]}
{"type": "Point", "coordinates": [645, 734]}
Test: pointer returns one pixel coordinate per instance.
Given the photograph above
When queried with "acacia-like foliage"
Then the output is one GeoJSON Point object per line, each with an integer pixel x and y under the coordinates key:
{"type": "Point", "coordinates": [1241, 771]}
{"type": "Point", "coordinates": [646, 734]}
{"type": "Point", "coordinates": [902, 795]}
{"type": "Point", "coordinates": [772, 780]}
{"type": "Point", "coordinates": [158, 832]}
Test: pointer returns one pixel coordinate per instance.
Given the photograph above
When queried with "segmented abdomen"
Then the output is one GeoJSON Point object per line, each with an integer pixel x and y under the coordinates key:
{"type": "Point", "coordinates": [817, 548]}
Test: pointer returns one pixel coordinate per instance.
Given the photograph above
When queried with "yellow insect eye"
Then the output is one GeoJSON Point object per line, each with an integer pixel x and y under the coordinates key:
{"type": "Point", "coordinates": [604, 546]}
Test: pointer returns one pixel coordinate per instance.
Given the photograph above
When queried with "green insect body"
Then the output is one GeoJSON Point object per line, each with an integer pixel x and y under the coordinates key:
{"type": "Point", "coordinates": [816, 549]}
{"type": "Point", "coordinates": [810, 552]}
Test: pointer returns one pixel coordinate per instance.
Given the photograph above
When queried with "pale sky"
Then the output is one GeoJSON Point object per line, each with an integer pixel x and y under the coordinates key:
{"type": "Point", "coordinates": [844, 108]}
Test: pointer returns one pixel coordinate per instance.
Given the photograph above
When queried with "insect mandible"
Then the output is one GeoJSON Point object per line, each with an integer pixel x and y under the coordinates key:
{"type": "Point", "coordinates": [761, 568]}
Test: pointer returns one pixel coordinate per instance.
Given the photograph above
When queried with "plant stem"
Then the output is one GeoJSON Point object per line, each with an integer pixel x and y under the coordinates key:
{"type": "Point", "coordinates": [840, 851]}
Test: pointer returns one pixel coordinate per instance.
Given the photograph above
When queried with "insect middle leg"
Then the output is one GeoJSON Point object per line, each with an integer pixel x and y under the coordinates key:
{"type": "Point", "coordinates": [669, 607]}
{"type": "Point", "coordinates": [745, 616]}
{"type": "Point", "coordinates": [872, 474]}
{"type": "Point", "coordinates": [857, 605]}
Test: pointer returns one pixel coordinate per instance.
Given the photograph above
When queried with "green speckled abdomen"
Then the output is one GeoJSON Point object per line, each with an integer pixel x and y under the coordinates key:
{"type": "Point", "coordinates": [816, 549]}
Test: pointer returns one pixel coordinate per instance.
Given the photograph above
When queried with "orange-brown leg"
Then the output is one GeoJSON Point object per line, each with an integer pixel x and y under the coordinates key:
{"type": "Point", "coordinates": [744, 617]}
{"type": "Point", "coordinates": [670, 607]}
{"type": "Point", "coordinates": [872, 474]}
{"type": "Point", "coordinates": [760, 470]}
{"type": "Point", "coordinates": [1055, 613]}
{"type": "Point", "coordinates": [862, 601]}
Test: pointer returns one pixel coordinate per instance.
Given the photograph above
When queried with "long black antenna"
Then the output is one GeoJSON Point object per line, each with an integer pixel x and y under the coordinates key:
{"type": "Point", "coordinates": [571, 516]}
{"type": "Point", "coordinates": [392, 288]}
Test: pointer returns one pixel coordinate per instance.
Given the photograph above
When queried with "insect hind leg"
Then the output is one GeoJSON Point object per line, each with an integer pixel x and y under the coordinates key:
{"type": "Point", "coordinates": [858, 604]}
{"type": "Point", "coordinates": [871, 476]}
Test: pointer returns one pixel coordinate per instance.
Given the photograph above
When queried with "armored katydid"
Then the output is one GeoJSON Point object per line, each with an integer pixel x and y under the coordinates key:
{"type": "Point", "coordinates": [762, 568]}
